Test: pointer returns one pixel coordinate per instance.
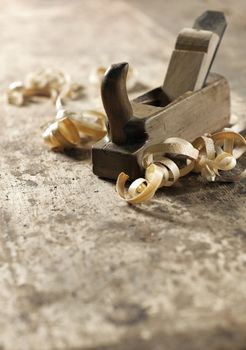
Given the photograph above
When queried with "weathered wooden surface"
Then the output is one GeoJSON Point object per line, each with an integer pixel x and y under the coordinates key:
{"type": "Point", "coordinates": [194, 53]}
{"type": "Point", "coordinates": [79, 268]}
{"type": "Point", "coordinates": [183, 107]}
{"type": "Point", "coordinates": [190, 116]}
{"type": "Point", "coordinates": [189, 66]}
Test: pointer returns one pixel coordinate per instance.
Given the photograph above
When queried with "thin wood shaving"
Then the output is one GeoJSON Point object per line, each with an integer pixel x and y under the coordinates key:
{"type": "Point", "coordinates": [44, 82]}
{"type": "Point", "coordinates": [72, 130]}
{"type": "Point", "coordinates": [207, 155]}
{"type": "Point", "coordinates": [141, 190]}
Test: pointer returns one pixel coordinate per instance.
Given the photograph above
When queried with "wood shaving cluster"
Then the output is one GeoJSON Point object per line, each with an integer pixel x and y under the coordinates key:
{"type": "Point", "coordinates": [70, 129]}
{"type": "Point", "coordinates": [44, 82]}
{"type": "Point", "coordinates": [73, 130]}
{"type": "Point", "coordinates": [207, 155]}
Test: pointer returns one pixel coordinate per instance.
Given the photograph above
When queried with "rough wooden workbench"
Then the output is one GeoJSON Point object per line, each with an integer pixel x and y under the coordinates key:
{"type": "Point", "coordinates": [79, 269]}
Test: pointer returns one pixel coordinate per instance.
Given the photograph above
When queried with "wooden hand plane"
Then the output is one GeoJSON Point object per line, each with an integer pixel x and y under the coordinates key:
{"type": "Point", "coordinates": [190, 102]}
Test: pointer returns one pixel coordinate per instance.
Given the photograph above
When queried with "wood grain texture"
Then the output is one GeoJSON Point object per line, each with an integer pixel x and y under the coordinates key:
{"type": "Point", "coordinates": [190, 62]}
{"type": "Point", "coordinates": [206, 109]}
{"type": "Point", "coordinates": [204, 112]}
{"type": "Point", "coordinates": [191, 115]}
{"type": "Point", "coordinates": [190, 39]}
{"type": "Point", "coordinates": [116, 102]}
{"type": "Point", "coordinates": [79, 268]}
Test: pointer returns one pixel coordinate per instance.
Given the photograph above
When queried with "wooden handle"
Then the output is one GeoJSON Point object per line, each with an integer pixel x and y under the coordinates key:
{"type": "Point", "coordinates": [215, 22]}
{"type": "Point", "coordinates": [116, 102]}
{"type": "Point", "coordinates": [194, 54]}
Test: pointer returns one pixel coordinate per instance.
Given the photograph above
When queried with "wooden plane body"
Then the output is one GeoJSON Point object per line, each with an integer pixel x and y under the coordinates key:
{"type": "Point", "coordinates": [190, 116]}
{"type": "Point", "coordinates": [190, 103]}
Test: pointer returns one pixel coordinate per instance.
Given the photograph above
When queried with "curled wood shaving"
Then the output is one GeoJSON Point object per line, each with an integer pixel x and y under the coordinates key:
{"type": "Point", "coordinates": [219, 151]}
{"type": "Point", "coordinates": [207, 155]}
{"type": "Point", "coordinates": [62, 134]}
{"type": "Point", "coordinates": [44, 82]}
{"type": "Point", "coordinates": [141, 190]}
{"type": "Point", "coordinates": [71, 130]}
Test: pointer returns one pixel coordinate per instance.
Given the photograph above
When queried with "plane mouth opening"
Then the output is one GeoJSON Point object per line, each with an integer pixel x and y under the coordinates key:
{"type": "Point", "coordinates": [156, 97]}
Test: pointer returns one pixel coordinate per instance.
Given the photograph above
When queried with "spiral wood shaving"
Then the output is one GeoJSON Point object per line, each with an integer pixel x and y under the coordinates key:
{"type": "Point", "coordinates": [207, 155]}
{"type": "Point", "coordinates": [73, 130]}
